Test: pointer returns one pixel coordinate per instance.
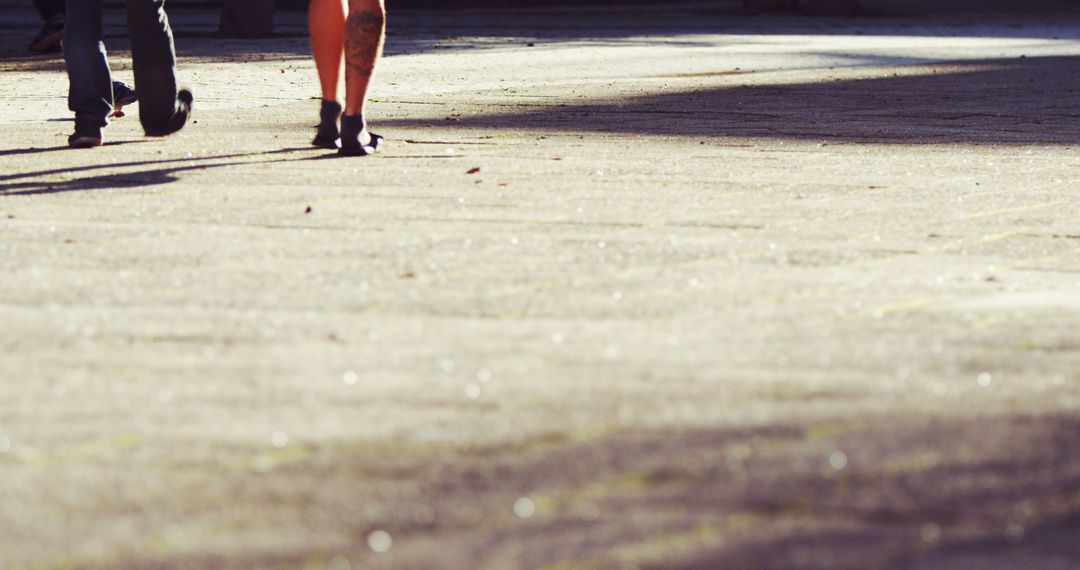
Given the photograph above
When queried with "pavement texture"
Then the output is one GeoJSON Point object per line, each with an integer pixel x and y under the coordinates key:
{"type": "Point", "coordinates": [643, 288]}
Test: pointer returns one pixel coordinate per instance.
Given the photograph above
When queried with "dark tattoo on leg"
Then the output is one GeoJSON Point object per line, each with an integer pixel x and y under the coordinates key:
{"type": "Point", "coordinates": [364, 31]}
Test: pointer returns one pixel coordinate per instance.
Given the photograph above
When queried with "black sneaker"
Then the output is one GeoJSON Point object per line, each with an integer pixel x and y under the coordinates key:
{"type": "Point", "coordinates": [48, 38]}
{"type": "Point", "coordinates": [123, 95]}
{"type": "Point", "coordinates": [353, 127]}
{"type": "Point", "coordinates": [86, 135]}
{"type": "Point", "coordinates": [184, 100]}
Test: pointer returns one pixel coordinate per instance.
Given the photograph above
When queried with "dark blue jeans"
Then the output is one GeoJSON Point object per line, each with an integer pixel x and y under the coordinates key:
{"type": "Point", "coordinates": [154, 58]}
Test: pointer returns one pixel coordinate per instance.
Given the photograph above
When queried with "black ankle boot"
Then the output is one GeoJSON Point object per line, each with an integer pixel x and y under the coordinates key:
{"type": "Point", "coordinates": [184, 103]}
{"type": "Point", "coordinates": [352, 126]}
{"type": "Point", "coordinates": [327, 135]}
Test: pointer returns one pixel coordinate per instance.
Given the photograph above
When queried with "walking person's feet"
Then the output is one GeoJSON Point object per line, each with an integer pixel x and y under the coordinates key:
{"type": "Point", "coordinates": [49, 37]}
{"type": "Point", "coordinates": [356, 140]}
{"type": "Point", "coordinates": [327, 134]}
{"type": "Point", "coordinates": [184, 102]}
{"type": "Point", "coordinates": [123, 95]}
{"type": "Point", "coordinates": [86, 135]}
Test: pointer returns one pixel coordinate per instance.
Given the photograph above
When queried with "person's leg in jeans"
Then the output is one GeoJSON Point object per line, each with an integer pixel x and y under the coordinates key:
{"type": "Point", "coordinates": [163, 109]}
{"type": "Point", "coordinates": [90, 84]}
{"type": "Point", "coordinates": [48, 41]}
{"type": "Point", "coordinates": [48, 38]}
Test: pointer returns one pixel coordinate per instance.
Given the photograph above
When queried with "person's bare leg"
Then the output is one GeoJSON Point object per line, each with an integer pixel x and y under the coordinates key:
{"type": "Point", "coordinates": [326, 23]}
{"type": "Point", "coordinates": [365, 32]}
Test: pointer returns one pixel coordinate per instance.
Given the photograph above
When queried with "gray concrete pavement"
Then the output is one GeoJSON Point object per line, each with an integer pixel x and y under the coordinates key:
{"type": "Point", "coordinates": [722, 294]}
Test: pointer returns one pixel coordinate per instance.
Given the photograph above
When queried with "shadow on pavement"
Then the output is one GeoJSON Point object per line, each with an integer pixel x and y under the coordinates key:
{"type": "Point", "coordinates": [28, 183]}
{"type": "Point", "coordinates": [982, 492]}
{"type": "Point", "coordinates": [1032, 100]}
{"type": "Point", "coordinates": [22, 151]}
{"type": "Point", "coordinates": [885, 492]}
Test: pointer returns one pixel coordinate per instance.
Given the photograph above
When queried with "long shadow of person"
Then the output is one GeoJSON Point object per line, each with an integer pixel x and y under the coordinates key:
{"type": "Point", "coordinates": [42, 182]}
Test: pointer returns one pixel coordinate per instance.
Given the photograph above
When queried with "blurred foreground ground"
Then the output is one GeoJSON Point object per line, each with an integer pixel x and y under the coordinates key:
{"type": "Point", "coordinates": [724, 293]}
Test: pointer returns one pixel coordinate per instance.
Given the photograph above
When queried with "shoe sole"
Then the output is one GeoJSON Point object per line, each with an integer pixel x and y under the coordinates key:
{"type": "Point", "coordinates": [365, 150]}
{"type": "Point", "coordinates": [357, 151]}
{"type": "Point", "coordinates": [84, 142]}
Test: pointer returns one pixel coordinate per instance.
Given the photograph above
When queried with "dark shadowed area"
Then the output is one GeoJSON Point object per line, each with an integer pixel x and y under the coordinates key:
{"type": "Point", "coordinates": [1015, 101]}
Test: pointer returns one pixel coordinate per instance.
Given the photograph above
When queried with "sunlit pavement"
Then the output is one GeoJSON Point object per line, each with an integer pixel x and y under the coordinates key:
{"type": "Point", "coordinates": [704, 292]}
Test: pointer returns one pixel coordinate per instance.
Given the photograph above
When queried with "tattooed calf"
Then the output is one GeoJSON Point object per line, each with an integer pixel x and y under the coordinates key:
{"type": "Point", "coordinates": [364, 32]}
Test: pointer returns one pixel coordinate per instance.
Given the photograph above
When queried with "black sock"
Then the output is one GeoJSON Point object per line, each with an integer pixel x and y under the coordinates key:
{"type": "Point", "coordinates": [351, 127]}
{"type": "Point", "coordinates": [328, 120]}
